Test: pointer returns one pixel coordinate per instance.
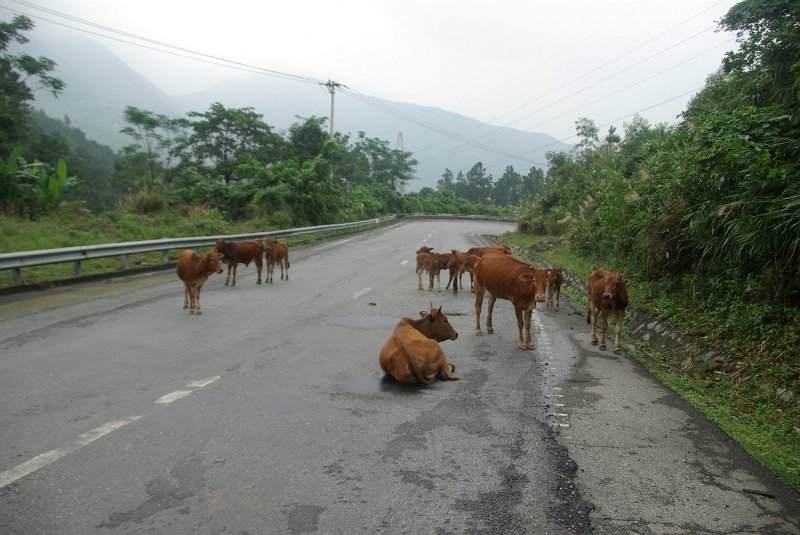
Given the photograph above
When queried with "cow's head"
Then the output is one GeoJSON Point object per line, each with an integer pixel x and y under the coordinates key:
{"type": "Point", "coordinates": [540, 276]}
{"type": "Point", "coordinates": [435, 325]}
{"type": "Point", "coordinates": [615, 288]}
{"type": "Point", "coordinates": [213, 260]}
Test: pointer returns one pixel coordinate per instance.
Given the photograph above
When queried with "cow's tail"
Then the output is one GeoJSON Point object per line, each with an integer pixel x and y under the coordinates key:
{"type": "Point", "coordinates": [418, 373]}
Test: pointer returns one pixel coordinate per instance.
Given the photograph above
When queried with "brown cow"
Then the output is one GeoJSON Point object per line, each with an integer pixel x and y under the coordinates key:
{"type": "Point", "coordinates": [608, 292]}
{"type": "Point", "coordinates": [555, 278]}
{"type": "Point", "coordinates": [276, 252]}
{"type": "Point", "coordinates": [430, 263]}
{"type": "Point", "coordinates": [453, 266]}
{"type": "Point", "coordinates": [240, 252]}
{"type": "Point", "coordinates": [468, 265]}
{"type": "Point", "coordinates": [505, 277]}
{"type": "Point", "coordinates": [424, 249]}
{"type": "Point", "coordinates": [480, 251]}
{"type": "Point", "coordinates": [413, 354]}
{"type": "Point", "coordinates": [193, 270]}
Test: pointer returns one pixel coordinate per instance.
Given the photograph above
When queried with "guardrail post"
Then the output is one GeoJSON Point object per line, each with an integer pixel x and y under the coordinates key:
{"type": "Point", "coordinates": [165, 255]}
{"type": "Point", "coordinates": [125, 262]}
{"type": "Point", "coordinates": [16, 275]}
{"type": "Point", "coordinates": [76, 267]}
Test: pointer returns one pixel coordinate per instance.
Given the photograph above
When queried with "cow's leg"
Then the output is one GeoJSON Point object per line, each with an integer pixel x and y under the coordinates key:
{"type": "Point", "coordinates": [593, 320]}
{"type": "Point", "coordinates": [619, 316]}
{"type": "Point", "coordinates": [197, 299]}
{"type": "Point", "coordinates": [259, 266]}
{"type": "Point", "coordinates": [270, 268]}
{"type": "Point", "coordinates": [558, 296]}
{"type": "Point", "coordinates": [233, 282]}
{"type": "Point", "coordinates": [228, 278]}
{"type": "Point", "coordinates": [439, 280]}
{"type": "Point", "coordinates": [520, 323]}
{"type": "Point", "coordinates": [471, 282]}
{"type": "Point", "coordinates": [286, 260]}
{"type": "Point", "coordinates": [478, 304]}
{"type": "Point", "coordinates": [528, 341]}
{"type": "Point", "coordinates": [186, 294]}
{"type": "Point", "coordinates": [445, 372]}
{"type": "Point", "coordinates": [430, 281]}
{"type": "Point", "coordinates": [489, 309]}
{"type": "Point", "coordinates": [603, 329]}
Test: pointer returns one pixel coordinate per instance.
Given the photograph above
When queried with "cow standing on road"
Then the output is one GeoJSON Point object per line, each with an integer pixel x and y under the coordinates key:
{"type": "Point", "coordinates": [555, 278]}
{"type": "Point", "coordinates": [242, 252]}
{"type": "Point", "coordinates": [193, 270]}
{"type": "Point", "coordinates": [505, 277]}
{"type": "Point", "coordinates": [276, 253]}
{"type": "Point", "coordinates": [608, 293]}
{"type": "Point", "coordinates": [413, 354]}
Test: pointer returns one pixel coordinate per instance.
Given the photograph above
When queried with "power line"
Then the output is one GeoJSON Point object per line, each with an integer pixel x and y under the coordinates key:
{"type": "Point", "coordinates": [195, 55]}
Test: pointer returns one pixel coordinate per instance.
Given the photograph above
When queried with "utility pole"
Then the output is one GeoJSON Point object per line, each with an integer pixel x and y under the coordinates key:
{"type": "Point", "coordinates": [331, 85]}
{"type": "Point", "coordinates": [400, 146]}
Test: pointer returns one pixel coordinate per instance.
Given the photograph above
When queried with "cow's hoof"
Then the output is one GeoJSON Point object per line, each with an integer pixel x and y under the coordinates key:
{"type": "Point", "coordinates": [602, 347]}
{"type": "Point", "coordinates": [191, 312]}
{"type": "Point", "coordinates": [489, 330]}
{"type": "Point", "coordinates": [618, 352]}
{"type": "Point", "coordinates": [594, 342]}
{"type": "Point", "coordinates": [185, 307]}
{"type": "Point", "coordinates": [529, 346]}
{"type": "Point", "coordinates": [478, 333]}
{"type": "Point", "coordinates": [226, 283]}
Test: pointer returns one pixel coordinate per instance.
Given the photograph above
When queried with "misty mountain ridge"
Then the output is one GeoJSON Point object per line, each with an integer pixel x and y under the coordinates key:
{"type": "Point", "coordinates": [100, 85]}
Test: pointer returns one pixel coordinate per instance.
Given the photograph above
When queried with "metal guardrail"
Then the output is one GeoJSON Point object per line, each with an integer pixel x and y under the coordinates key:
{"type": "Point", "coordinates": [17, 260]}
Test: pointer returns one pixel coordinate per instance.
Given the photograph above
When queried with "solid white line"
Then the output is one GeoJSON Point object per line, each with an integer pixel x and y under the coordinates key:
{"type": "Point", "coordinates": [200, 383]}
{"type": "Point", "coordinates": [172, 396]}
{"type": "Point", "coordinates": [404, 262]}
{"type": "Point", "coordinates": [40, 461]}
{"type": "Point", "coordinates": [361, 292]}
{"type": "Point", "coordinates": [334, 244]}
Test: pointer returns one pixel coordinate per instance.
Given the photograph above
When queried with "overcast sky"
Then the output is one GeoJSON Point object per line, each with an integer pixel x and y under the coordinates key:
{"type": "Point", "coordinates": [526, 64]}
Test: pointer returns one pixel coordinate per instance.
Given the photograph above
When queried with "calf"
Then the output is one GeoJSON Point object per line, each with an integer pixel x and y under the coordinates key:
{"type": "Point", "coordinates": [242, 252]}
{"type": "Point", "coordinates": [608, 292]}
{"type": "Point", "coordinates": [505, 277]}
{"type": "Point", "coordinates": [193, 270]}
{"type": "Point", "coordinates": [555, 278]}
{"type": "Point", "coordinates": [430, 263]}
{"type": "Point", "coordinates": [424, 249]}
{"type": "Point", "coordinates": [468, 265]}
{"type": "Point", "coordinates": [276, 253]}
{"type": "Point", "coordinates": [413, 354]}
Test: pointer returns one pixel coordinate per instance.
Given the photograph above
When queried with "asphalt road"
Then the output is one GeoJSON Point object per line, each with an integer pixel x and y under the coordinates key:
{"type": "Point", "coordinates": [121, 413]}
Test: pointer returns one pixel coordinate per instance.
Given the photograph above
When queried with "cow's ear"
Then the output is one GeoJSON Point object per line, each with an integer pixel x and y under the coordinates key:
{"type": "Point", "coordinates": [424, 313]}
{"type": "Point", "coordinates": [626, 282]}
{"type": "Point", "coordinates": [440, 309]}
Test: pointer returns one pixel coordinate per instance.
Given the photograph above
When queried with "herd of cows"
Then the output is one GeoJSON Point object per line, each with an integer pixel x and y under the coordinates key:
{"type": "Point", "coordinates": [412, 353]}
{"type": "Point", "coordinates": [193, 269]}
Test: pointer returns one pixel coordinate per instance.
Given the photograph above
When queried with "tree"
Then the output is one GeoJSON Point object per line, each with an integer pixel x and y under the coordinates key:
{"type": "Point", "coordinates": [223, 138]}
{"type": "Point", "coordinates": [508, 188]}
{"type": "Point", "coordinates": [15, 72]}
{"type": "Point", "coordinates": [307, 138]}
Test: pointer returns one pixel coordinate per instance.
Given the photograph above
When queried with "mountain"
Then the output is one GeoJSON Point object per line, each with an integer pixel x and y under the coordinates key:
{"type": "Point", "coordinates": [100, 85]}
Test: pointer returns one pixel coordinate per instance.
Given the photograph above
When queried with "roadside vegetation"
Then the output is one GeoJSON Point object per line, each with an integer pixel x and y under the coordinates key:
{"type": "Point", "coordinates": [702, 215]}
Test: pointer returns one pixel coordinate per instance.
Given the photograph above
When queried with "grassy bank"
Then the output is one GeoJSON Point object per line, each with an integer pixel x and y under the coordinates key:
{"type": "Point", "coordinates": [753, 399]}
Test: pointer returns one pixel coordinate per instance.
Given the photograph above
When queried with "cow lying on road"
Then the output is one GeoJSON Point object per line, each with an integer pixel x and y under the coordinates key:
{"type": "Point", "coordinates": [608, 292]}
{"type": "Point", "coordinates": [413, 354]}
{"type": "Point", "coordinates": [505, 277]}
{"type": "Point", "coordinates": [193, 270]}
{"type": "Point", "coordinates": [242, 252]}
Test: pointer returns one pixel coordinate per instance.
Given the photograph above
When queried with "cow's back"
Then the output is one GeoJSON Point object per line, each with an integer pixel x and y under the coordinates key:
{"type": "Point", "coordinates": [189, 264]}
{"type": "Point", "coordinates": [498, 273]}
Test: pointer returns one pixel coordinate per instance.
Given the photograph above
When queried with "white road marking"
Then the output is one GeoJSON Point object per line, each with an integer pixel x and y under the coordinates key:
{"type": "Point", "coordinates": [200, 383]}
{"type": "Point", "coordinates": [404, 262]}
{"type": "Point", "coordinates": [361, 292]}
{"type": "Point", "coordinates": [40, 461]}
{"type": "Point", "coordinates": [335, 243]}
{"type": "Point", "coordinates": [172, 396]}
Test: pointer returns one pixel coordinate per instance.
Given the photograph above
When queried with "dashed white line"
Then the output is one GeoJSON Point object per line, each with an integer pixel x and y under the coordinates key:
{"type": "Point", "coordinates": [172, 396]}
{"type": "Point", "coordinates": [404, 262]}
{"type": "Point", "coordinates": [200, 383]}
{"type": "Point", "coordinates": [361, 292]}
{"type": "Point", "coordinates": [40, 461]}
